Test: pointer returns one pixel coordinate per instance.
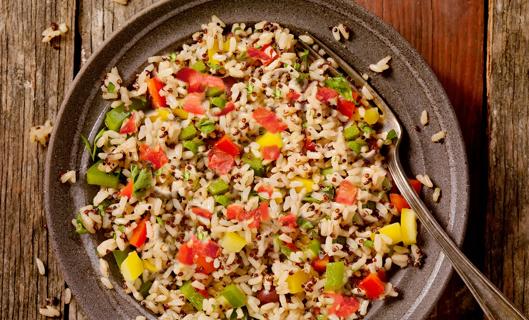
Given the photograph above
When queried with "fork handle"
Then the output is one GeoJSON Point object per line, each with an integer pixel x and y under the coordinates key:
{"type": "Point", "coordinates": [494, 304]}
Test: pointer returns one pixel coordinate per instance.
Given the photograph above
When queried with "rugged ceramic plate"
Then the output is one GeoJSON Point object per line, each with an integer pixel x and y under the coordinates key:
{"type": "Point", "coordinates": [408, 88]}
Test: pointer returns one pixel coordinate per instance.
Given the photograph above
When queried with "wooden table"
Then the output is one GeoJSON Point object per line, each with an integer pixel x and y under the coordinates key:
{"type": "Point", "coordinates": [478, 50]}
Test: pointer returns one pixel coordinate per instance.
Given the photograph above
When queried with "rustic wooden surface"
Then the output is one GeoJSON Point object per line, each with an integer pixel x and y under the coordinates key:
{"type": "Point", "coordinates": [449, 34]}
{"type": "Point", "coordinates": [507, 238]}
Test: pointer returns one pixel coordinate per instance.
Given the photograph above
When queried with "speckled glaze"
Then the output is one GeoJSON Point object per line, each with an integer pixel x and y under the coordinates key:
{"type": "Point", "coordinates": [408, 88]}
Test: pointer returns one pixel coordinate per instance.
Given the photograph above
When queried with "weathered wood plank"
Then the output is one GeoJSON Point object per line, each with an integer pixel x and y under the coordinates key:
{"type": "Point", "coordinates": [507, 260]}
{"type": "Point", "coordinates": [33, 79]}
{"type": "Point", "coordinates": [449, 34]}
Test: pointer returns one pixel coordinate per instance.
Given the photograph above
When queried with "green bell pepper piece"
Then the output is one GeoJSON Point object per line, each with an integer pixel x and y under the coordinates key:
{"type": "Point", "coordinates": [191, 146]}
{"type": "Point", "coordinates": [334, 276]}
{"type": "Point", "coordinates": [256, 165]}
{"type": "Point", "coordinates": [94, 176]}
{"type": "Point", "coordinates": [327, 171]}
{"type": "Point", "coordinates": [115, 117]}
{"type": "Point", "coordinates": [218, 186]}
{"type": "Point", "coordinates": [139, 103]}
{"type": "Point", "coordinates": [213, 92]}
{"type": "Point", "coordinates": [234, 295]}
{"type": "Point", "coordinates": [144, 288]}
{"type": "Point", "coordinates": [313, 248]}
{"type": "Point", "coordinates": [192, 295]}
{"type": "Point", "coordinates": [120, 255]}
{"type": "Point", "coordinates": [222, 199]}
{"type": "Point", "coordinates": [218, 102]}
{"type": "Point", "coordinates": [199, 66]}
{"type": "Point", "coordinates": [351, 132]}
{"type": "Point", "coordinates": [188, 132]}
{"type": "Point", "coordinates": [206, 126]}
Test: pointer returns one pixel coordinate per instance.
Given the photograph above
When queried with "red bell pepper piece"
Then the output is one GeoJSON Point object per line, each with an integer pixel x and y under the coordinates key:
{"type": "Point", "coordinates": [154, 85]}
{"type": "Point", "coordinates": [226, 145]}
{"type": "Point", "coordinates": [269, 120]}
{"type": "Point", "coordinates": [128, 189]}
{"type": "Point", "coordinates": [129, 126]}
{"type": "Point", "coordinates": [288, 220]}
{"type": "Point", "coordinates": [346, 193]}
{"type": "Point", "coordinates": [372, 285]}
{"type": "Point", "coordinates": [398, 201]}
{"type": "Point", "coordinates": [139, 235]}
{"type": "Point", "coordinates": [320, 264]}
{"type": "Point", "coordinates": [293, 95]}
{"type": "Point", "coordinates": [202, 212]}
{"type": "Point", "coordinates": [260, 214]}
{"type": "Point", "coordinates": [235, 212]}
{"type": "Point", "coordinates": [265, 55]}
{"type": "Point", "coordinates": [343, 306]}
{"type": "Point", "coordinates": [156, 156]}
{"type": "Point", "coordinates": [346, 107]}
{"type": "Point", "coordinates": [416, 185]}
{"type": "Point", "coordinates": [229, 107]}
{"type": "Point", "coordinates": [198, 82]}
{"type": "Point", "coordinates": [185, 254]}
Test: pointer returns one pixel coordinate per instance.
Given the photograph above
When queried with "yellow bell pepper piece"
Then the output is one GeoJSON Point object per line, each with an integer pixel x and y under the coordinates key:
{"type": "Point", "coordinates": [270, 139]}
{"type": "Point", "coordinates": [393, 231]}
{"type": "Point", "coordinates": [371, 116]}
{"type": "Point", "coordinates": [408, 222]}
{"type": "Point", "coordinates": [147, 264]}
{"type": "Point", "coordinates": [226, 44]}
{"type": "Point", "coordinates": [233, 242]}
{"type": "Point", "coordinates": [307, 184]}
{"type": "Point", "coordinates": [181, 113]}
{"type": "Point", "coordinates": [296, 281]}
{"type": "Point", "coordinates": [132, 266]}
{"type": "Point", "coordinates": [161, 113]}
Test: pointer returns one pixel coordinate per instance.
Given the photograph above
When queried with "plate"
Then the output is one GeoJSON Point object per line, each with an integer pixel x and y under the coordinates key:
{"type": "Point", "coordinates": [409, 88]}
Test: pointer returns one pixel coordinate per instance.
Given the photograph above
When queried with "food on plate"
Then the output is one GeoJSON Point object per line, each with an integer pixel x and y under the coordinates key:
{"type": "Point", "coordinates": [239, 179]}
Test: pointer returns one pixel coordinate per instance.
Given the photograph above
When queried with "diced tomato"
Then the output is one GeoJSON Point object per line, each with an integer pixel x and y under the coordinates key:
{"type": "Point", "coordinates": [320, 264]}
{"type": "Point", "coordinates": [416, 185]}
{"type": "Point", "coordinates": [225, 144]}
{"type": "Point", "coordinates": [265, 188]}
{"type": "Point", "coordinates": [260, 214]}
{"type": "Point", "coordinates": [347, 108]}
{"type": "Point", "coordinates": [229, 107]}
{"type": "Point", "coordinates": [346, 193]}
{"type": "Point", "coordinates": [156, 156]}
{"type": "Point", "coordinates": [265, 55]}
{"type": "Point", "coordinates": [269, 120]}
{"type": "Point", "coordinates": [198, 82]}
{"type": "Point", "coordinates": [293, 95]}
{"type": "Point", "coordinates": [202, 212]}
{"type": "Point", "coordinates": [204, 265]}
{"type": "Point", "coordinates": [382, 274]}
{"type": "Point", "coordinates": [291, 246]}
{"type": "Point", "coordinates": [154, 85]}
{"type": "Point", "coordinates": [309, 145]}
{"type": "Point", "coordinates": [398, 201]}
{"type": "Point", "coordinates": [128, 189]}
{"type": "Point", "coordinates": [205, 252]}
{"type": "Point", "coordinates": [355, 95]}
{"type": "Point", "coordinates": [270, 152]}
{"type": "Point", "coordinates": [210, 249]}
{"type": "Point", "coordinates": [185, 254]}
{"type": "Point", "coordinates": [288, 220]}
{"type": "Point", "coordinates": [129, 126]}
{"type": "Point", "coordinates": [220, 161]}
{"type": "Point", "coordinates": [343, 306]}
{"type": "Point", "coordinates": [235, 212]}
{"type": "Point", "coordinates": [372, 285]}
{"type": "Point", "coordinates": [193, 103]}
{"type": "Point", "coordinates": [139, 235]}
{"type": "Point", "coordinates": [325, 94]}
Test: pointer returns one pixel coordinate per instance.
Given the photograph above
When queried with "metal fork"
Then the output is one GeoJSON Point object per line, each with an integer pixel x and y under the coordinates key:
{"type": "Point", "coordinates": [494, 304]}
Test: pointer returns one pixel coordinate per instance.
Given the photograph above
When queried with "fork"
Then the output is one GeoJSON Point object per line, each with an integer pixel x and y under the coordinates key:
{"type": "Point", "coordinates": [494, 304]}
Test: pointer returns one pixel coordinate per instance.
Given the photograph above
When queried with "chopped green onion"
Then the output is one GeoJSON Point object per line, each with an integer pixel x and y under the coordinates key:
{"type": "Point", "coordinates": [214, 66]}
{"type": "Point", "coordinates": [115, 117]}
{"type": "Point", "coordinates": [329, 190]}
{"type": "Point", "coordinates": [191, 146]}
{"type": "Point", "coordinates": [199, 66]}
{"type": "Point", "coordinates": [98, 135]}
{"type": "Point", "coordinates": [297, 66]}
{"type": "Point", "coordinates": [222, 199]}
{"type": "Point", "coordinates": [351, 132]}
{"type": "Point", "coordinates": [88, 147]}
{"type": "Point", "coordinates": [313, 249]}
{"type": "Point", "coordinates": [304, 56]}
{"type": "Point", "coordinates": [334, 276]}
{"type": "Point", "coordinates": [142, 181]}
{"type": "Point", "coordinates": [392, 134]}
{"type": "Point", "coordinates": [79, 226]}
{"type": "Point", "coordinates": [278, 93]}
{"type": "Point", "coordinates": [327, 171]}
{"type": "Point", "coordinates": [249, 88]}
{"type": "Point", "coordinates": [219, 102]}
{"type": "Point", "coordinates": [144, 288]}
{"type": "Point", "coordinates": [172, 56]}
{"type": "Point", "coordinates": [214, 91]}
{"type": "Point", "coordinates": [120, 255]}
{"type": "Point", "coordinates": [368, 243]}
{"type": "Point", "coordinates": [370, 205]}
{"type": "Point", "coordinates": [188, 132]}
{"type": "Point", "coordinates": [138, 103]}
{"type": "Point", "coordinates": [218, 186]}
{"type": "Point", "coordinates": [386, 185]}
{"type": "Point", "coordinates": [356, 145]}
{"type": "Point", "coordinates": [94, 176]}
{"type": "Point", "coordinates": [111, 88]}
{"type": "Point", "coordinates": [206, 126]}
{"type": "Point", "coordinates": [341, 85]}
{"type": "Point", "coordinates": [341, 240]}
{"type": "Point", "coordinates": [192, 295]}
{"type": "Point", "coordinates": [234, 295]}
{"type": "Point", "coordinates": [310, 199]}
{"type": "Point", "coordinates": [160, 221]}
{"type": "Point", "coordinates": [187, 175]}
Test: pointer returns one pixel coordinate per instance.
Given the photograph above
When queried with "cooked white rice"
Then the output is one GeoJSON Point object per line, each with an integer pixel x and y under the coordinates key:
{"type": "Point", "coordinates": [284, 146]}
{"type": "Point", "coordinates": [439, 136]}
{"type": "Point", "coordinates": [41, 134]}
{"type": "Point", "coordinates": [53, 31]}
{"type": "Point", "coordinates": [381, 65]}
{"type": "Point", "coordinates": [424, 117]}
{"type": "Point", "coordinates": [40, 266]}
{"type": "Point", "coordinates": [50, 312]}
{"type": "Point", "coordinates": [69, 176]}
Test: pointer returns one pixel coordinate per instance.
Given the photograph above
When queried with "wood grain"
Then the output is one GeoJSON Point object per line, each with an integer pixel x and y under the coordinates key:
{"type": "Point", "coordinates": [33, 79]}
{"type": "Point", "coordinates": [507, 240]}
